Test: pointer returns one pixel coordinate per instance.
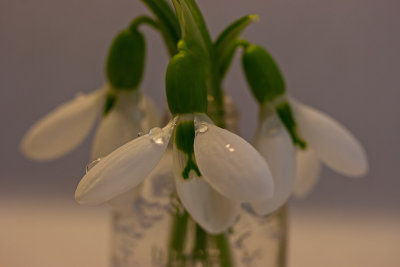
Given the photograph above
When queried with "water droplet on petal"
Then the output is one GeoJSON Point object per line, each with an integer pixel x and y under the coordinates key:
{"type": "Point", "coordinates": [230, 148]}
{"type": "Point", "coordinates": [157, 136]}
{"type": "Point", "coordinates": [92, 164]}
{"type": "Point", "coordinates": [202, 127]}
{"type": "Point", "coordinates": [139, 134]}
{"type": "Point", "coordinates": [271, 126]}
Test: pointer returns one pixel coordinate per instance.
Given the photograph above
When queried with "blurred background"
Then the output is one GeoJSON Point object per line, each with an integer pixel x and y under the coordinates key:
{"type": "Point", "coordinates": [341, 57]}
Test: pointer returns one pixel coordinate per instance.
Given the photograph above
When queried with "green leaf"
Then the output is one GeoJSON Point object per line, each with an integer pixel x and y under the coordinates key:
{"type": "Point", "coordinates": [168, 23]}
{"type": "Point", "coordinates": [193, 28]}
{"type": "Point", "coordinates": [226, 44]}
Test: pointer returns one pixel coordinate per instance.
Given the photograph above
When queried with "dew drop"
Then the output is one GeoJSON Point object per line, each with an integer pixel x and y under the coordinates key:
{"type": "Point", "coordinates": [157, 136]}
{"type": "Point", "coordinates": [271, 126]}
{"type": "Point", "coordinates": [139, 134]}
{"type": "Point", "coordinates": [202, 128]}
{"type": "Point", "coordinates": [92, 164]}
{"type": "Point", "coordinates": [230, 148]}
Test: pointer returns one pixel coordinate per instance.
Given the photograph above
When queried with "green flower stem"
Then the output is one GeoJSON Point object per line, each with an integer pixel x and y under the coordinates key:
{"type": "Point", "coordinates": [178, 238]}
{"type": "Point", "coordinates": [222, 243]}
{"type": "Point", "coordinates": [144, 20]}
{"type": "Point", "coordinates": [200, 246]}
{"type": "Point", "coordinates": [168, 23]}
{"type": "Point", "coordinates": [243, 43]}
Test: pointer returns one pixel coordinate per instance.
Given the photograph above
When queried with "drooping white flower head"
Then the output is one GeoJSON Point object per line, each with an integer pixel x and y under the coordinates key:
{"type": "Point", "coordinates": [327, 141]}
{"type": "Point", "coordinates": [223, 171]}
{"type": "Point", "coordinates": [285, 123]}
{"type": "Point", "coordinates": [66, 127]}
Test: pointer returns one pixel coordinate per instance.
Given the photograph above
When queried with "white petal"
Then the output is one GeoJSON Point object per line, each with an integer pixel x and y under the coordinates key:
{"type": "Point", "coordinates": [274, 144]}
{"type": "Point", "coordinates": [230, 164]}
{"type": "Point", "coordinates": [133, 114]}
{"type": "Point", "coordinates": [158, 184]}
{"type": "Point", "coordinates": [120, 126]}
{"type": "Point", "coordinates": [63, 129]}
{"type": "Point", "coordinates": [212, 211]}
{"type": "Point", "coordinates": [124, 168]}
{"type": "Point", "coordinates": [333, 144]}
{"type": "Point", "coordinates": [307, 172]}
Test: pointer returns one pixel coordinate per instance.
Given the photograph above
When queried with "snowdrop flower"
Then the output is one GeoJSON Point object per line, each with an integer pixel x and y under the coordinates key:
{"type": "Point", "coordinates": [318, 137]}
{"type": "Point", "coordinates": [215, 170]}
{"type": "Point", "coordinates": [125, 110]}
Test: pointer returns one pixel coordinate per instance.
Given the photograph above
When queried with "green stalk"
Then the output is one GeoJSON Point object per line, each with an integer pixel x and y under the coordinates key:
{"type": "Point", "coordinates": [222, 243]}
{"type": "Point", "coordinates": [200, 247]}
{"type": "Point", "coordinates": [168, 23]}
{"type": "Point", "coordinates": [177, 240]}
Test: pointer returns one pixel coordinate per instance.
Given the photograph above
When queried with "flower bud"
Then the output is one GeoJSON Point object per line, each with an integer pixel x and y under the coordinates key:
{"type": "Point", "coordinates": [186, 84]}
{"type": "Point", "coordinates": [125, 62]}
{"type": "Point", "coordinates": [262, 73]}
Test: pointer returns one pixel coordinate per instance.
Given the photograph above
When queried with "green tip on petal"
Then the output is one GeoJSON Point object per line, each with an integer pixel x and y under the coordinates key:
{"type": "Point", "coordinates": [262, 74]}
{"type": "Point", "coordinates": [110, 101]}
{"type": "Point", "coordinates": [286, 116]}
{"type": "Point", "coordinates": [186, 84]}
{"type": "Point", "coordinates": [125, 62]}
{"type": "Point", "coordinates": [184, 140]}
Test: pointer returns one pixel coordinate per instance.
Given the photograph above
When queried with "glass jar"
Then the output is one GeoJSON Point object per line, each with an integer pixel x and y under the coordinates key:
{"type": "Point", "coordinates": [150, 227]}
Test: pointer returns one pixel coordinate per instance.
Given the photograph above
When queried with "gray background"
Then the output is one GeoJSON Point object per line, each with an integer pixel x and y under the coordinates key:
{"type": "Point", "coordinates": [339, 56]}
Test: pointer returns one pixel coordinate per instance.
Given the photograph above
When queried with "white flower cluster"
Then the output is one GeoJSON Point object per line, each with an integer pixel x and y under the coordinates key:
{"type": "Point", "coordinates": [230, 170]}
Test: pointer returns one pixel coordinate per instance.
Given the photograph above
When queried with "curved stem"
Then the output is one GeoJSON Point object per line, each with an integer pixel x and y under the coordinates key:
{"type": "Point", "coordinates": [144, 20]}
